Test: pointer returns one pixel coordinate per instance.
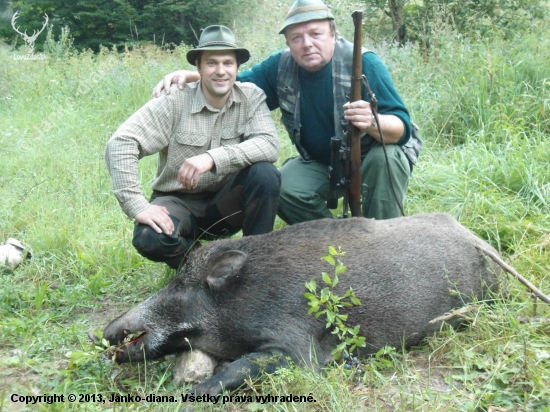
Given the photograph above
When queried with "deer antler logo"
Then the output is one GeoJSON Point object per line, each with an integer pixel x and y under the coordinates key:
{"type": "Point", "coordinates": [29, 39]}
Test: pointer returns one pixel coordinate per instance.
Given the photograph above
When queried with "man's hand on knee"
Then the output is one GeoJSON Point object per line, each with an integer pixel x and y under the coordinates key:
{"type": "Point", "coordinates": [157, 217]}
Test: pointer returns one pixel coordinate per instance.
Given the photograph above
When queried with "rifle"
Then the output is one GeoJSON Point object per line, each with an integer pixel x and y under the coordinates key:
{"type": "Point", "coordinates": [348, 157]}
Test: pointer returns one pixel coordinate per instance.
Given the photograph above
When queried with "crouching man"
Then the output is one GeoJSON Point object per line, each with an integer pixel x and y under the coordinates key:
{"type": "Point", "coordinates": [216, 143]}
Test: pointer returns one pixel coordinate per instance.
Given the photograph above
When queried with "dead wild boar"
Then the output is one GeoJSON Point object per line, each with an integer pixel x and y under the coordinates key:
{"type": "Point", "coordinates": [242, 299]}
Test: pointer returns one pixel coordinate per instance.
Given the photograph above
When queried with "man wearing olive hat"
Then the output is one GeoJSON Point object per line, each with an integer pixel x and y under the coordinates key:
{"type": "Point", "coordinates": [310, 82]}
{"type": "Point", "coordinates": [216, 143]}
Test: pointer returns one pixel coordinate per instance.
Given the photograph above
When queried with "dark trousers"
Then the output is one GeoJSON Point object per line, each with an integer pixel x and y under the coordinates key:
{"type": "Point", "coordinates": [247, 201]}
{"type": "Point", "coordinates": [305, 186]}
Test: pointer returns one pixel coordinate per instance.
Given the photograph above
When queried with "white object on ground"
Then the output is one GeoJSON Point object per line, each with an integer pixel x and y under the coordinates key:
{"type": "Point", "coordinates": [12, 253]}
{"type": "Point", "coordinates": [193, 366]}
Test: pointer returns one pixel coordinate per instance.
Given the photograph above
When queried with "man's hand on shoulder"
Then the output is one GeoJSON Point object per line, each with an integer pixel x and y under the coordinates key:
{"type": "Point", "coordinates": [179, 77]}
{"type": "Point", "coordinates": [157, 217]}
{"type": "Point", "coordinates": [191, 170]}
{"type": "Point", "coordinates": [174, 77]}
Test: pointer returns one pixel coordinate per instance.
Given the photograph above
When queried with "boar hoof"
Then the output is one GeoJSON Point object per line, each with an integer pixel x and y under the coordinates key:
{"type": "Point", "coordinates": [93, 337]}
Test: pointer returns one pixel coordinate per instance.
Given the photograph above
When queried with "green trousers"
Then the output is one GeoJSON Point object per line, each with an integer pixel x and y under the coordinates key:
{"type": "Point", "coordinates": [305, 186]}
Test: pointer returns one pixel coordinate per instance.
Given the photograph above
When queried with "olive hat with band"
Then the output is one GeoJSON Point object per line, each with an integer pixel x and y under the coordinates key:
{"type": "Point", "coordinates": [218, 38]}
{"type": "Point", "coordinates": [306, 10]}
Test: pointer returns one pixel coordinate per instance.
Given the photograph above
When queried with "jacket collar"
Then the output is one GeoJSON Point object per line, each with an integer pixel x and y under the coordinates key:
{"type": "Point", "coordinates": [199, 101]}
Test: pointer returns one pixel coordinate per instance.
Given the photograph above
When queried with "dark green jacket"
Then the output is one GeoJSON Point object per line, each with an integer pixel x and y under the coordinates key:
{"type": "Point", "coordinates": [317, 101]}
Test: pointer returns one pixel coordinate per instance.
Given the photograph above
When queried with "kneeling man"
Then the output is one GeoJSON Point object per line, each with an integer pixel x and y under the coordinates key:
{"type": "Point", "coordinates": [216, 143]}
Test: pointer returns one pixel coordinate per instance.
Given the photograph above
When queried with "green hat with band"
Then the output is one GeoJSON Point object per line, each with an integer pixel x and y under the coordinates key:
{"type": "Point", "coordinates": [218, 38]}
{"type": "Point", "coordinates": [306, 10]}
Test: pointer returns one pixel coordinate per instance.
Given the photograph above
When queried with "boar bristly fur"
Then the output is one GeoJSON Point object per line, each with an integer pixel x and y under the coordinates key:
{"type": "Point", "coordinates": [242, 299]}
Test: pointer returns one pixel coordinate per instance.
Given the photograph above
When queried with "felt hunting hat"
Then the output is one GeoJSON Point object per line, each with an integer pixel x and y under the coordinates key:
{"type": "Point", "coordinates": [218, 38]}
{"type": "Point", "coordinates": [306, 10]}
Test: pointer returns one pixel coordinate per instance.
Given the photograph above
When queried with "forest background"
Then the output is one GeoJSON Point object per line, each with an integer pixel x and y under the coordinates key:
{"type": "Point", "coordinates": [475, 76]}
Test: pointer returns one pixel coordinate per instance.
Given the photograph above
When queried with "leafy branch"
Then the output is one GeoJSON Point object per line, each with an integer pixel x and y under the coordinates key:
{"type": "Point", "coordinates": [329, 304]}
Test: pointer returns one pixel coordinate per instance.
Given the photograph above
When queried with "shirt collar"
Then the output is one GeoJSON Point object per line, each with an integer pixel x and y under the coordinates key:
{"type": "Point", "coordinates": [199, 101]}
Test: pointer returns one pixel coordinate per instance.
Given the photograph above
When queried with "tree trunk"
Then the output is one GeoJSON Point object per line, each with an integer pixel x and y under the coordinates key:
{"type": "Point", "coordinates": [396, 15]}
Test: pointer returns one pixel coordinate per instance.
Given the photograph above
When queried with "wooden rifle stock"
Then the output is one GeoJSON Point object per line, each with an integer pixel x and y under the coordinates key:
{"type": "Point", "coordinates": [354, 134]}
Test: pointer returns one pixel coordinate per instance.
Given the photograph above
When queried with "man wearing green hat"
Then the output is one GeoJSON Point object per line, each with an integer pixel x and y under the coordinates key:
{"type": "Point", "coordinates": [310, 82]}
{"type": "Point", "coordinates": [216, 143]}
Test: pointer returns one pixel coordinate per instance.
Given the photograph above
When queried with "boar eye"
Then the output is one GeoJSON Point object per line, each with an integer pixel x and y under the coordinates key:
{"type": "Point", "coordinates": [179, 286]}
{"type": "Point", "coordinates": [184, 283]}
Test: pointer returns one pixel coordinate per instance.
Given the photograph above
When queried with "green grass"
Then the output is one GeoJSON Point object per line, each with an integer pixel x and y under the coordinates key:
{"type": "Point", "coordinates": [483, 111]}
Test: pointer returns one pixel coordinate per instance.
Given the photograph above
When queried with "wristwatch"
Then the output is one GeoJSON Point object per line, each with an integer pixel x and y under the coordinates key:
{"type": "Point", "coordinates": [373, 124]}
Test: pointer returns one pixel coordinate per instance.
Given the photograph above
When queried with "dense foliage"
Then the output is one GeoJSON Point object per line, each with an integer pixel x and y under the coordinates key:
{"type": "Point", "coordinates": [108, 22]}
{"type": "Point", "coordinates": [419, 21]}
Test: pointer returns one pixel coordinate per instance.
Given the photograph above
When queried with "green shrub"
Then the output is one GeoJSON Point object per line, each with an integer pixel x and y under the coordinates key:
{"type": "Point", "coordinates": [329, 304]}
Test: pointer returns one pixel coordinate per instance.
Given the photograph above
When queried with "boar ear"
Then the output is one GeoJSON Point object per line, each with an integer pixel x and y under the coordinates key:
{"type": "Point", "coordinates": [227, 266]}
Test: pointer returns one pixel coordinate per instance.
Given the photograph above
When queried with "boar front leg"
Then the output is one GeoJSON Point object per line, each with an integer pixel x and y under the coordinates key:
{"type": "Point", "coordinates": [233, 375]}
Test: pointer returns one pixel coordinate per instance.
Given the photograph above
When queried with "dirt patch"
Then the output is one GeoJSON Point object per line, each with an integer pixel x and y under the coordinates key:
{"type": "Point", "coordinates": [17, 376]}
{"type": "Point", "coordinates": [16, 380]}
{"type": "Point", "coordinates": [104, 312]}
{"type": "Point", "coordinates": [419, 377]}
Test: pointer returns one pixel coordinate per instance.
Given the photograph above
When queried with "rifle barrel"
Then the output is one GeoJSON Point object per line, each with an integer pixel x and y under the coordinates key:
{"type": "Point", "coordinates": [354, 134]}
